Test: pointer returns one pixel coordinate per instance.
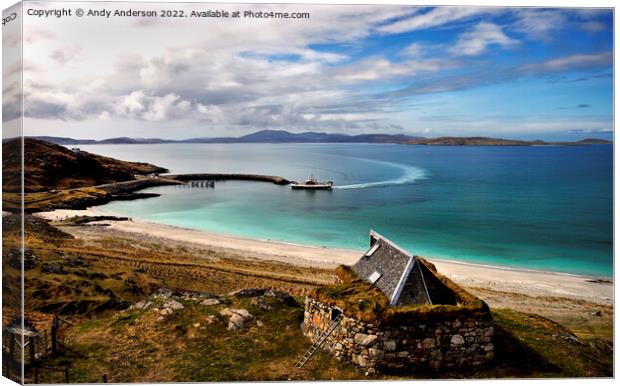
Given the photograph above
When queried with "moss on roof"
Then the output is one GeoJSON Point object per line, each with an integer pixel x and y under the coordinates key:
{"type": "Point", "coordinates": [363, 301]}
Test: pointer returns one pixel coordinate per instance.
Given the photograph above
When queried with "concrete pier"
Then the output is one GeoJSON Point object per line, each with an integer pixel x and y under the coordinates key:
{"type": "Point", "coordinates": [222, 177]}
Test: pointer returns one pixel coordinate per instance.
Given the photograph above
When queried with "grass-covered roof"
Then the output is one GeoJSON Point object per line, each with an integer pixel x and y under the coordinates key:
{"type": "Point", "coordinates": [362, 300]}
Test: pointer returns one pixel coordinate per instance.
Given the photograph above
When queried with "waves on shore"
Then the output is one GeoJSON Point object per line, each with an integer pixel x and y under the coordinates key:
{"type": "Point", "coordinates": [410, 174]}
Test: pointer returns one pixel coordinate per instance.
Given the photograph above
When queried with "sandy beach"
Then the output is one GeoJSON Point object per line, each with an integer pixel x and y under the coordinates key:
{"type": "Point", "coordinates": [530, 283]}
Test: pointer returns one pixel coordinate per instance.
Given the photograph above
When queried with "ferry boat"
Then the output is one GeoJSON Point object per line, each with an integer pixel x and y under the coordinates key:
{"type": "Point", "coordinates": [312, 184]}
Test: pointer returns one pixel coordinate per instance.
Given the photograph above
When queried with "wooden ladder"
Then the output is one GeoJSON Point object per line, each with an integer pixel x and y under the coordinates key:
{"type": "Point", "coordinates": [319, 342]}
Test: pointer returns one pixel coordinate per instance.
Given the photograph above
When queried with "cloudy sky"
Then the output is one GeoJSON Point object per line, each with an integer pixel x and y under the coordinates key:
{"type": "Point", "coordinates": [504, 72]}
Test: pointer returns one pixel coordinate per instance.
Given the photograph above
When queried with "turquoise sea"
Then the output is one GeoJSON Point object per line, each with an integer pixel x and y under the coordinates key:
{"type": "Point", "coordinates": [546, 208]}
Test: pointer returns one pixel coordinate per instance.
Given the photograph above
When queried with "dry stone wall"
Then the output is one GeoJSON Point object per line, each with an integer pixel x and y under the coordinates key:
{"type": "Point", "coordinates": [456, 341]}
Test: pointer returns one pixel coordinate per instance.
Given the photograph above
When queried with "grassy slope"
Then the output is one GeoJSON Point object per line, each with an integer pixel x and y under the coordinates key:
{"type": "Point", "coordinates": [83, 286]}
{"type": "Point", "coordinates": [587, 320]}
{"type": "Point", "coordinates": [39, 201]}
{"type": "Point", "coordinates": [132, 345]}
{"type": "Point", "coordinates": [112, 271]}
{"type": "Point", "coordinates": [49, 166]}
{"type": "Point", "coordinates": [533, 346]}
{"type": "Point", "coordinates": [184, 347]}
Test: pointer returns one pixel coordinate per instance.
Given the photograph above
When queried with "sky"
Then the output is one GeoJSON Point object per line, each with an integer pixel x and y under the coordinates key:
{"type": "Point", "coordinates": [523, 73]}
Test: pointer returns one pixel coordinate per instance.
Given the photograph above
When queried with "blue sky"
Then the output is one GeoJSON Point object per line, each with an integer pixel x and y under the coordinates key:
{"type": "Point", "coordinates": [462, 71]}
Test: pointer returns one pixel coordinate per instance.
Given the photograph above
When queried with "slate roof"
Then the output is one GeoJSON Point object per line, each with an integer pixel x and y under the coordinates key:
{"type": "Point", "coordinates": [400, 275]}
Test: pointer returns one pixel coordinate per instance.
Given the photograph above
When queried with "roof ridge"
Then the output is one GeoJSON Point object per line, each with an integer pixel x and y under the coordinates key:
{"type": "Point", "coordinates": [403, 279]}
{"type": "Point", "coordinates": [390, 242]}
{"type": "Point", "coordinates": [428, 295]}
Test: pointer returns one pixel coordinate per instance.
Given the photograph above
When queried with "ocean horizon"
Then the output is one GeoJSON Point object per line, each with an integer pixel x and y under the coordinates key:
{"type": "Point", "coordinates": [539, 208]}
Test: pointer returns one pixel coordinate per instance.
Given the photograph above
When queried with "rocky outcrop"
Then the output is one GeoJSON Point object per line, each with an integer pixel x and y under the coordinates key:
{"type": "Point", "coordinates": [282, 297]}
{"type": "Point", "coordinates": [173, 305]}
{"type": "Point", "coordinates": [237, 317]}
{"type": "Point", "coordinates": [56, 268]}
{"type": "Point", "coordinates": [165, 302]}
{"type": "Point", "coordinates": [248, 292]}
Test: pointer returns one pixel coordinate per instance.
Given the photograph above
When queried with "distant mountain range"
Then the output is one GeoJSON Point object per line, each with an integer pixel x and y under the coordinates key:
{"type": "Point", "coordinates": [281, 136]}
{"type": "Point", "coordinates": [263, 136]}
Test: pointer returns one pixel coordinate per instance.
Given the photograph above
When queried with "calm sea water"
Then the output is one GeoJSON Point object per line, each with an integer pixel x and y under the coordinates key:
{"type": "Point", "coordinates": [547, 208]}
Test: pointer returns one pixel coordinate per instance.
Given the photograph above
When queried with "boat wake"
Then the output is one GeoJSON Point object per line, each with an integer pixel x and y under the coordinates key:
{"type": "Point", "coordinates": [410, 175]}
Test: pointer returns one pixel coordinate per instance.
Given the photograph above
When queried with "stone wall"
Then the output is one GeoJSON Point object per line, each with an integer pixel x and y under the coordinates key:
{"type": "Point", "coordinates": [456, 341]}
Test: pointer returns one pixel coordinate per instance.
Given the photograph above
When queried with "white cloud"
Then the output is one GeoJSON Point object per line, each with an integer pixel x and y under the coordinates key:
{"type": "Point", "coordinates": [132, 103]}
{"type": "Point", "coordinates": [154, 108]}
{"type": "Point", "coordinates": [572, 62]}
{"type": "Point", "coordinates": [381, 68]}
{"type": "Point", "coordinates": [254, 73]}
{"type": "Point", "coordinates": [476, 40]}
{"type": "Point", "coordinates": [539, 24]}
{"type": "Point", "coordinates": [412, 50]}
{"type": "Point", "coordinates": [211, 113]}
{"type": "Point", "coordinates": [65, 55]}
{"type": "Point", "coordinates": [161, 107]}
{"type": "Point", "coordinates": [248, 73]}
{"type": "Point", "coordinates": [593, 26]}
{"type": "Point", "coordinates": [159, 71]}
{"type": "Point", "coordinates": [435, 17]}
{"type": "Point", "coordinates": [35, 34]}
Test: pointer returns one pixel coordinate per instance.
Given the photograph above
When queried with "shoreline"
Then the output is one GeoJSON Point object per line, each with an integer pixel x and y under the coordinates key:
{"type": "Point", "coordinates": [523, 270]}
{"type": "Point", "coordinates": [92, 211]}
{"type": "Point", "coordinates": [496, 278]}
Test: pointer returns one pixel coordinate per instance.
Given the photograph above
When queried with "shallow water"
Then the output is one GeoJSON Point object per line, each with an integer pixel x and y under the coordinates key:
{"type": "Point", "coordinates": [547, 208]}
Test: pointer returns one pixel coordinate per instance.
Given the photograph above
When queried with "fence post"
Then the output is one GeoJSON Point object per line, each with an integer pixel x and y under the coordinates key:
{"type": "Point", "coordinates": [54, 332]}
{"type": "Point", "coordinates": [31, 349]}
{"type": "Point", "coordinates": [45, 342]}
{"type": "Point", "coordinates": [11, 347]}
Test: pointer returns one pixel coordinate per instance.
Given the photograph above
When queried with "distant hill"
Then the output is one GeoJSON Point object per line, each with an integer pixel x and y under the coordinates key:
{"type": "Point", "coordinates": [486, 141]}
{"type": "Point", "coordinates": [117, 140]}
{"type": "Point", "coordinates": [127, 140]}
{"type": "Point", "coordinates": [473, 141]}
{"type": "Point", "coordinates": [594, 141]}
{"type": "Point", "coordinates": [282, 136]}
{"type": "Point", "coordinates": [263, 136]}
{"type": "Point", "coordinates": [50, 166]}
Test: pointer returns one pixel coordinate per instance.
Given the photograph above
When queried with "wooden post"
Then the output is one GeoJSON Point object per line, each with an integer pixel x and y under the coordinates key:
{"type": "Point", "coordinates": [67, 374]}
{"type": "Point", "coordinates": [11, 346]}
{"type": "Point", "coordinates": [105, 378]}
{"type": "Point", "coordinates": [32, 349]}
{"type": "Point", "coordinates": [54, 332]}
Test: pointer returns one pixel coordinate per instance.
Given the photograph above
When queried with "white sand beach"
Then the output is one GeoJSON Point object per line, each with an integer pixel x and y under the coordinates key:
{"type": "Point", "coordinates": [526, 282]}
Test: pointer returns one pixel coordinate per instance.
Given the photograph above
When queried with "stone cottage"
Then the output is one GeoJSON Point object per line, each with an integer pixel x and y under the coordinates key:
{"type": "Point", "coordinates": [393, 311]}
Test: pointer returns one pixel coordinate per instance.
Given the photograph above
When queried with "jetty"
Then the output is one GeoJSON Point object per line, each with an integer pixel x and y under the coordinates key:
{"type": "Point", "coordinates": [134, 185]}
{"type": "Point", "coordinates": [223, 177]}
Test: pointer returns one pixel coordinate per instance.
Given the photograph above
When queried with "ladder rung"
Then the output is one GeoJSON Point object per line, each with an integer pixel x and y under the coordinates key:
{"type": "Point", "coordinates": [322, 338]}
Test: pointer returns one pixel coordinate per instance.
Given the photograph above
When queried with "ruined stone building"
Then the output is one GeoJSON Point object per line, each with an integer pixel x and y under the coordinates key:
{"type": "Point", "coordinates": [393, 311]}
